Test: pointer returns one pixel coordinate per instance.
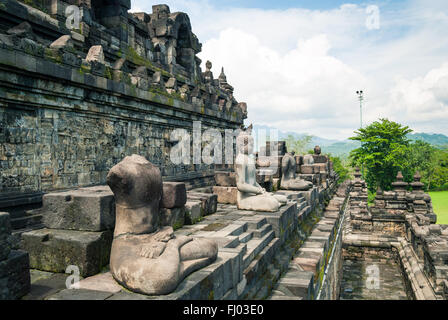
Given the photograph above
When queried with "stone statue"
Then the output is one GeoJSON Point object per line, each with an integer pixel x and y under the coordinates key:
{"type": "Point", "coordinates": [251, 196]}
{"type": "Point", "coordinates": [208, 74]}
{"type": "Point", "coordinates": [308, 159]}
{"type": "Point", "coordinates": [289, 180]}
{"type": "Point", "coordinates": [144, 258]}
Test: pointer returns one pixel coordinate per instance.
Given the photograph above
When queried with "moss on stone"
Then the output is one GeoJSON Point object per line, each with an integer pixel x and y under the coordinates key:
{"type": "Point", "coordinates": [108, 73]}
{"type": "Point", "coordinates": [214, 227]}
{"type": "Point", "coordinates": [53, 55]}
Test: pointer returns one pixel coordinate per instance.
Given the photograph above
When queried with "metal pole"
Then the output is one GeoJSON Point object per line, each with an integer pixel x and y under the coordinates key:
{"type": "Point", "coordinates": [361, 98]}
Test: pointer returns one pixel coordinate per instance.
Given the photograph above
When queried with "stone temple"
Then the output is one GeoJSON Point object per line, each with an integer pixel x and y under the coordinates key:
{"type": "Point", "coordinates": [93, 207]}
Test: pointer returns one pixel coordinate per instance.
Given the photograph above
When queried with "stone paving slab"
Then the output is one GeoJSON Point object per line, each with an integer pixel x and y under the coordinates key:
{"type": "Point", "coordinates": [46, 285]}
{"type": "Point", "coordinates": [80, 294]}
{"type": "Point", "coordinates": [101, 282]}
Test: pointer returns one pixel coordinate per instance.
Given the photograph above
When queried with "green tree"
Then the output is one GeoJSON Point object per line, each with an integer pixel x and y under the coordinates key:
{"type": "Point", "coordinates": [439, 177]}
{"type": "Point", "coordinates": [383, 152]}
{"type": "Point", "coordinates": [340, 167]}
{"type": "Point", "coordinates": [423, 157]}
{"type": "Point", "coordinates": [298, 145]}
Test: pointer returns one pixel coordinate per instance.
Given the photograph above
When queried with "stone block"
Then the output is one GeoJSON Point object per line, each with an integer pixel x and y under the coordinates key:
{"type": "Point", "coordinates": [225, 178]}
{"type": "Point", "coordinates": [209, 201]}
{"type": "Point", "coordinates": [55, 250]}
{"type": "Point", "coordinates": [192, 212]}
{"type": "Point", "coordinates": [299, 283]}
{"type": "Point", "coordinates": [174, 217]}
{"type": "Point", "coordinates": [174, 195]}
{"type": "Point", "coordinates": [321, 168]}
{"type": "Point", "coordinates": [306, 169]}
{"type": "Point", "coordinates": [435, 230]}
{"type": "Point", "coordinates": [226, 195]}
{"type": "Point", "coordinates": [283, 221]}
{"type": "Point", "coordinates": [85, 209]}
{"type": "Point", "coordinates": [277, 146]}
{"type": "Point", "coordinates": [14, 276]}
{"type": "Point", "coordinates": [95, 54]}
{"type": "Point", "coordinates": [320, 158]}
{"type": "Point", "coordinates": [5, 232]}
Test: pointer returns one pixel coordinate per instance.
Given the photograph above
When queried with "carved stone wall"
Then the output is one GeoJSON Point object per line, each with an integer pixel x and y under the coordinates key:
{"type": "Point", "coordinates": [73, 103]}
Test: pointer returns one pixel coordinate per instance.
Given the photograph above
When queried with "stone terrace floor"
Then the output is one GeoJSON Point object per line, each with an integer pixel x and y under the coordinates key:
{"type": "Point", "coordinates": [241, 236]}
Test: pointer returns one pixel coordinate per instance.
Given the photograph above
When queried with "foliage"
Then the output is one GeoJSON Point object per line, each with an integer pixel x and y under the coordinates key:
{"type": "Point", "coordinates": [439, 175]}
{"type": "Point", "coordinates": [340, 166]}
{"type": "Point", "coordinates": [298, 145]}
{"type": "Point", "coordinates": [370, 197]}
{"type": "Point", "coordinates": [422, 157]}
{"type": "Point", "coordinates": [383, 152]}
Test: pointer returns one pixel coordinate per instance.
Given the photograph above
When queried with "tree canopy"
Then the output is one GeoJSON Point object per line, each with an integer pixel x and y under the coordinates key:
{"type": "Point", "coordinates": [383, 152]}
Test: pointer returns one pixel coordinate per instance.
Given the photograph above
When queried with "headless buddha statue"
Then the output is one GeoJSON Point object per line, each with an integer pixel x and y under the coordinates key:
{"type": "Point", "coordinates": [251, 196]}
{"type": "Point", "coordinates": [145, 258]}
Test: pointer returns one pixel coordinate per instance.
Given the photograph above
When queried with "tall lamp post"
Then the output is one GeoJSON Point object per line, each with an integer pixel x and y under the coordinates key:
{"type": "Point", "coordinates": [360, 94]}
{"type": "Point", "coordinates": [361, 99]}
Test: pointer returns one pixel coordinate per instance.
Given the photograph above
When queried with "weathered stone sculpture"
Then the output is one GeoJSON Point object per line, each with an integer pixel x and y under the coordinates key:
{"type": "Point", "coordinates": [289, 179]}
{"type": "Point", "coordinates": [144, 258]}
{"type": "Point", "coordinates": [251, 196]}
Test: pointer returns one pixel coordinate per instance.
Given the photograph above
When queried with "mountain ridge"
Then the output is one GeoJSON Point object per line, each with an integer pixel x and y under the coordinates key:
{"type": "Point", "coordinates": [343, 147]}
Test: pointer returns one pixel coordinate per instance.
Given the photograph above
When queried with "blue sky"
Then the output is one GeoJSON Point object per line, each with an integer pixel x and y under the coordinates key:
{"type": "Point", "coordinates": [285, 4]}
{"type": "Point", "coordinates": [297, 64]}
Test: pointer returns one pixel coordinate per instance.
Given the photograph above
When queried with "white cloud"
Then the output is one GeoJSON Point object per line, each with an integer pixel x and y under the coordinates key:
{"type": "Point", "coordinates": [423, 100]}
{"type": "Point", "coordinates": [299, 69]}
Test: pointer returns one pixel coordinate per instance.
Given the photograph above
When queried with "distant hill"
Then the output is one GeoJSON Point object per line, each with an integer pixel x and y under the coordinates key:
{"type": "Point", "coordinates": [438, 140]}
{"type": "Point", "coordinates": [343, 148]}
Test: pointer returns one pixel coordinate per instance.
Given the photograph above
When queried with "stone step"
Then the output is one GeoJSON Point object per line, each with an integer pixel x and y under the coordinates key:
{"type": "Point", "coordinates": [299, 283]}
{"type": "Point", "coordinates": [255, 246]}
{"type": "Point", "coordinates": [254, 222]}
{"type": "Point", "coordinates": [232, 230]}
{"type": "Point", "coordinates": [283, 298]}
{"type": "Point", "coordinates": [260, 233]}
{"type": "Point", "coordinates": [246, 236]}
{"type": "Point", "coordinates": [26, 221]}
{"type": "Point", "coordinates": [19, 232]}
{"type": "Point", "coordinates": [301, 205]}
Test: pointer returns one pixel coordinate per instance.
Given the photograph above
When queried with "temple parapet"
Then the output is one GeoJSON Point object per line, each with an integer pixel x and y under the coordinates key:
{"type": "Point", "coordinates": [152, 51]}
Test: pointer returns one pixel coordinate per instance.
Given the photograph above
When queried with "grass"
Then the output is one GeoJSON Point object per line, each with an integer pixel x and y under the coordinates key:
{"type": "Point", "coordinates": [440, 204]}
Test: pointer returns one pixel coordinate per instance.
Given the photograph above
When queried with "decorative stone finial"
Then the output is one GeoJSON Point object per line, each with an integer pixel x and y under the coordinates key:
{"type": "Point", "coordinates": [399, 184]}
{"type": "Point", "coordinates": [222, 76]}
{"type": "Point", "coordinates": [417, 186]}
